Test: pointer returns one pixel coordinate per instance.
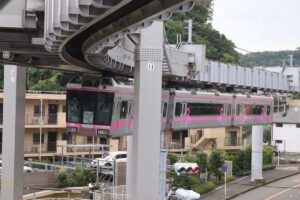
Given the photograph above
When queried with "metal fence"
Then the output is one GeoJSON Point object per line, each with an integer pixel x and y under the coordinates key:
{"type": "Point", "coordinates": [112, 193]}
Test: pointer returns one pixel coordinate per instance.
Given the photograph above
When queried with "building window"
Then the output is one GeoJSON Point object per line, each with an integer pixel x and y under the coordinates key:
{"type": "Point", "coordinates": [36, 138]}
{"type": "Point", "coordinates": [64, 108]}
{"type": "Point", "coordinates": [279, 125]}
{"type": "Point", "coordinates": [37, 109]}
{"type": "Point", "coordinates": [297, 125]}
{"type": "Point", "coordinates": [68, 137]}
{"type": "Point", "coordinates": [89, 139]}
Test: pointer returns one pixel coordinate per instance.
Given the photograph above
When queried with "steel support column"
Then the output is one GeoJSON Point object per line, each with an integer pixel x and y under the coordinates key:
{"type": "Point", "coordinates": [147, 105]}
{"type": "Point", "coordinates": [13, 132]}
{"type": "Point", "coordinates": [257, 149]}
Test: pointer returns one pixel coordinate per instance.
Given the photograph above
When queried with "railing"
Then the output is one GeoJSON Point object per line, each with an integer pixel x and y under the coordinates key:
{"type": "Point", "coordinates": [173, 144]}
{"type": "Point", "coordinates": [233, 141]}
{"type": "Point", "coordinates": [49, 147]}
{"type": "Point", "coordinates": [87, 149]}
{"type": "Point", "coordinates": [50, 119]}
{"type": "Point", "coordinates": [112, 193]}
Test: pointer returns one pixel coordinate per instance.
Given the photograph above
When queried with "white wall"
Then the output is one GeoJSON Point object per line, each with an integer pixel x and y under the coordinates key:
{"type": "Point", "coordinates": [290, 135]}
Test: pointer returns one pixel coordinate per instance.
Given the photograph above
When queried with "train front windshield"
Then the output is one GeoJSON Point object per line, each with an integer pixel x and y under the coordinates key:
{"type": "Point", "coordinates": [89, 107]}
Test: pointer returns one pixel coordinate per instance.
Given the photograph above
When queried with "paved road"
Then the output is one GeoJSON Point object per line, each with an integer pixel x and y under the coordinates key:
{"type": "Point", "coordinates": [285, 189]}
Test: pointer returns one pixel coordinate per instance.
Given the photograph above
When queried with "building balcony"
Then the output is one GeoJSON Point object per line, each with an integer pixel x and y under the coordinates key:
{"type": "Point", "coordinates": [233, 143]}
{"type": "Point", "coordinates": [174, 146]}
{"type": "Point", "coordinates": [55, 148]}
{"type": "Point", "coordinates": [46, 121]}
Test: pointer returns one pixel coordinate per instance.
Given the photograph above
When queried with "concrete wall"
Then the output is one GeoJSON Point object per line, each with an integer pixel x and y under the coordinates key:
{"type": "Point", "coordinates": [39, 179]}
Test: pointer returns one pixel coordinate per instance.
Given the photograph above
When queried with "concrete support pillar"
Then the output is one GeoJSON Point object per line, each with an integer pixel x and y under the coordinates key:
{"type": "Point", "coordinates": [13, 132]}
{"type": "Point", "coordinates": [129, 165]}
{"type": "Point", "coordinates": [147, 118]}
{"type": "Point", "coordinates": [257, 150]}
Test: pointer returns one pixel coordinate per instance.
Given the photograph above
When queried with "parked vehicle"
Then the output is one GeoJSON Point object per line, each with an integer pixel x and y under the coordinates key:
{"type": "Point", "coordinates": [25, 168]}
{"type": "Point", "coordinates": [108, 159]}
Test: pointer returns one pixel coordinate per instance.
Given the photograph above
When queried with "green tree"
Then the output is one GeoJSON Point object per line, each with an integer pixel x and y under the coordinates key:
{"type": "Point", "coordinates": [201, 159]}
{"type": "Point", "coordinates": [216, 160]}
{"type": "Point", "coordinates": [218, 47]}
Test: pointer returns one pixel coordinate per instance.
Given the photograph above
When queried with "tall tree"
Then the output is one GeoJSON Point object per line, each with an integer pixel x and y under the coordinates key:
{"type": "Point", "coordinates": [218, 47]}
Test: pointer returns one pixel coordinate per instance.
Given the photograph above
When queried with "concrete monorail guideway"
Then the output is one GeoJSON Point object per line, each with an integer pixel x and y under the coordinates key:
{"type": "Point", "coordinates": [92, 36]}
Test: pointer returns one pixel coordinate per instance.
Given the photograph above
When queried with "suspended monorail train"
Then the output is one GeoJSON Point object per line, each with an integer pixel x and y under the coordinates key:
{"type": "Point", "coordinates": [105, 107]}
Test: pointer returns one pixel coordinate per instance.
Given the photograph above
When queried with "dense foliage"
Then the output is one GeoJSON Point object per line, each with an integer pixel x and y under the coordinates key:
{"type": "Point", "coordinates": [218, 47]}
{"type": "Point", "coordinates": [79, 177]}
{"type": "Point", "coordinates": [43, 79]}
{"type": "Point", "coordinates": [269, 58]}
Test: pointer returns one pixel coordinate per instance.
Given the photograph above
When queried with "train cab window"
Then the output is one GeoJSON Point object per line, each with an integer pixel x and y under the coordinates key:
{"type": "Point", "coordinates": [74, 106]}
{"type": "Point", "coordinates": [104, 109]}
{"type": "Point", "coordinates": [88, 108]}
{"type": "Point", "coordinates": [164, 114]}
{"type": "Point", "coordinates": [199, 109]}
{"type": "Point", "coordinates": [124, 109]}
{"type": "Point", "coordinates": [178, 109]}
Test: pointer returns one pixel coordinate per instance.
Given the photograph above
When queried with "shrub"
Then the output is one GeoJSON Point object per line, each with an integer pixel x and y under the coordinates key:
{"type": "Point", "coordinates": [185, 181]}
{"type": "Point", "coordinates": [81, 177]}
{"type": "Point", "coordinates": [203, 188]}
{"type": "Point", "coordinates": [173, 158]}
{"type": "Point", "coordinates": [268, 167]}
{"type": "Point", "coordinates": [216, 160]}
{"type": "Point", "coordinates": [267, 155]}
{"type": "Point", "coordinates": [62, 178]}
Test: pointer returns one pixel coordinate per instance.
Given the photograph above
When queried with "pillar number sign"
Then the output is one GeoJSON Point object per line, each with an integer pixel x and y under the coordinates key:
{"type": "Point", "coordinates": [150, 65]}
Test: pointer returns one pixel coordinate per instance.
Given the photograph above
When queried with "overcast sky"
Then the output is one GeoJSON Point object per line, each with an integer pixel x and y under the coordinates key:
{"type": "Point", "coordinates": [259, 25]}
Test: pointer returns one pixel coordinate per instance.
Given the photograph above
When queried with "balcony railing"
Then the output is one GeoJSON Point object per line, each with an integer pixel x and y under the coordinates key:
{"type": "Point", "coordinates": [233, 141]}
{"type": "Point", "coordinates": [173, 144]}
{"type": "Point", "coordinates": [49, 147]}
{"type": "Point", "coordinates": [50, 119]}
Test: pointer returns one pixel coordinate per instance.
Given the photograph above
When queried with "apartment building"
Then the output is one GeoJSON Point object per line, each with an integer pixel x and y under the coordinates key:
{"type": "Point", "coordinates": [45, 116]}
{"type": "Point", "coordinates": [228, 139]}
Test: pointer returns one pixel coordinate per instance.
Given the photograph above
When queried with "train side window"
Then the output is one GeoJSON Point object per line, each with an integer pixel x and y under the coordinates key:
{"type": "Point", "coordinates": [178, 109]}
{"type": "Point", "coordinates": [201, 109]}
{"type": "Point", "coordinates": [268, 110]}
{"type": "Point", "coordinates": [183, 109]}
{"type": "Point", "coordinates": [228, 109]}
{"type": "Point", "coordinates": [131, 109]}
{"type": "Point", "coordinates": [238, 110]}
{"type": "Point", "coordinates": [124, 109]}
{"type": "Point", "coordinates": [165, 109]}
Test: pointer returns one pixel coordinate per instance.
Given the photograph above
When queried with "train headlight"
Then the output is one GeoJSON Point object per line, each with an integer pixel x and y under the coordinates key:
{"type": "Point", "coordinates": [102, 132]}
{"type": "Point", "coordinates": [72, 129]}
